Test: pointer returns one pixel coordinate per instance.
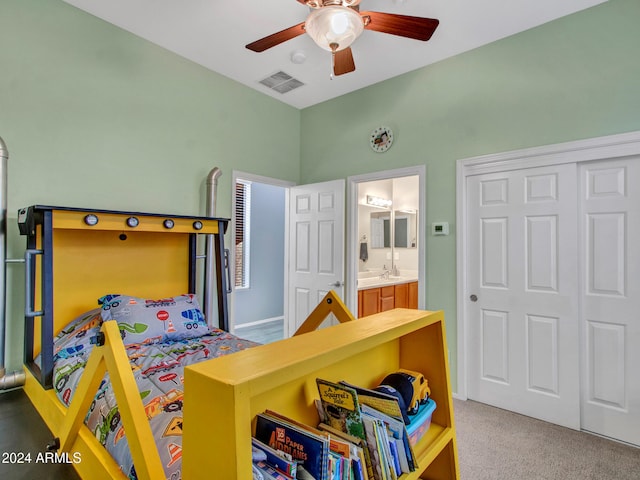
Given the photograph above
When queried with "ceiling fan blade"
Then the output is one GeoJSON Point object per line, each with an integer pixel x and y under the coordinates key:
{"type": "Point", "coordinates": [418, 28]}
{"type": "Point", "coordinates": [276, 38]}
{"type": "Point", "coordinates": [343, 62]}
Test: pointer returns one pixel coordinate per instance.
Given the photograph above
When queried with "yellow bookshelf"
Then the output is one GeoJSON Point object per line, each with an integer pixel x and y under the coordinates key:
{"type": "Point", "coordinates": [223, 395]}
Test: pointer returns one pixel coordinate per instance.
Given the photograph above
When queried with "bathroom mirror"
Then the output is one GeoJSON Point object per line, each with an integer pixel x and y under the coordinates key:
{"type": "Point", "coordinates": [404, 231]}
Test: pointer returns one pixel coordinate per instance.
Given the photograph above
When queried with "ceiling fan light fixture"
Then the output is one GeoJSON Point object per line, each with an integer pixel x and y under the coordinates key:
{"type": "Point", "coordinates": [334, 25]}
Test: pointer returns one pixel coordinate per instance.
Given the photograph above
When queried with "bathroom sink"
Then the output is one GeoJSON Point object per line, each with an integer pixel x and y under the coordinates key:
{"type": "Point", "coordinates": [370, 282]}
{"type": "Point", "coordinates": [380, 282]}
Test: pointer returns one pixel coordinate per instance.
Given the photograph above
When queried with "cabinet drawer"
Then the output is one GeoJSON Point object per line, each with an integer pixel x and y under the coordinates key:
{"type": "Point", "coordinates": [387, 291]}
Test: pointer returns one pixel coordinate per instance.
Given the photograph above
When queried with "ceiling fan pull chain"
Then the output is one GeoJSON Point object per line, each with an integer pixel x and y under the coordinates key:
{"type": "Point", "coordinates": [334, 47]}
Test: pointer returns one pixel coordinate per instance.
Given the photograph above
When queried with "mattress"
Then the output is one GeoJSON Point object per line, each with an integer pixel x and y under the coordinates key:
{"type": "Point", "coordinates": [161, 337]}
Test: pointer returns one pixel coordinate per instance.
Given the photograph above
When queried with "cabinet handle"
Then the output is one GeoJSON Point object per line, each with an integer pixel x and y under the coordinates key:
{"type": "Point", "coordinates": [473, 298]}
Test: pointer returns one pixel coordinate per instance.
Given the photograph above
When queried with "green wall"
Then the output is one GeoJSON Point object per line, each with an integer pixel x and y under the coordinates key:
{"type": "Point", "coordinates": [96, 117]}
{"type": "Point", "coordinates": [574, 78]}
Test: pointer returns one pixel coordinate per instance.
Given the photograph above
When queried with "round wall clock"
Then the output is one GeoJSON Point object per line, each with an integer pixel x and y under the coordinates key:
{"type": "Point", "coordinates": [381, 139]}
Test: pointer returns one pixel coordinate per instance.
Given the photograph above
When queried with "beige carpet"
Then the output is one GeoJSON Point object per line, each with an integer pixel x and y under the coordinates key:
{"type": "Point", "coordinates": [495, 444]}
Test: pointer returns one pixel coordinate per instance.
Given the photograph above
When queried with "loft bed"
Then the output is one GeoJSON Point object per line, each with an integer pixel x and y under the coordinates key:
{"type": "Point", "coordinates": [76, 256]}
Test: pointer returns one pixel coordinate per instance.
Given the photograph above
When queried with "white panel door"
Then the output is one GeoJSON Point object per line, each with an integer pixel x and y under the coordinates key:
{"type": "Point", "coordinates": [610, 251]}
{"type": "Point", "coordinates": [316, 239]}
{"type": "Point", "coordinates": [523, 308]}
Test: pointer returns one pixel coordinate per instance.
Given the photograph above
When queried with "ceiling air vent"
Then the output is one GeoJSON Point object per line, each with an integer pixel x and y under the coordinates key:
{"type": "Point", "coordinates": [281, 82]}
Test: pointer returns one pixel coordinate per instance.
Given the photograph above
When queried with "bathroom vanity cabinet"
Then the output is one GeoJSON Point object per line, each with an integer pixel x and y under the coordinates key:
{"type": "Point", "coordinates": [387, 297]}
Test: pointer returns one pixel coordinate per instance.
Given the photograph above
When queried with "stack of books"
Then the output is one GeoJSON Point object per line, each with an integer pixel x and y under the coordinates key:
{"type": "Point", "coordinates": [361, 436]}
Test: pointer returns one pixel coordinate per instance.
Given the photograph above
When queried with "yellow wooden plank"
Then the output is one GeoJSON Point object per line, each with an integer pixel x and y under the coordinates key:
{"type": "Point", "coordinates": [91, 264]}
{"type": "Point", "coordinates": [331, 303]}
{"type": "Point", "coordinates": [74, 220]}
{"type": "Point", "coordinates": [92, 375]}
{"type": "Point", "coordinates": [95, 463]}
{"type": "Point", "coordinates": [134, 420]}
{"type": "Point", "coordinates": [323, 346]}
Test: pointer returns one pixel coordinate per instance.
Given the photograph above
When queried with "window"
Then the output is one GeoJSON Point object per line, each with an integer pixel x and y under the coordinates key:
{"type": "Point", "coordinates": [242, 232]}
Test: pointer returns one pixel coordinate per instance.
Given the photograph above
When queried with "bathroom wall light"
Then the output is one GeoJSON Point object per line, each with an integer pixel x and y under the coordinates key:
{"type": "Point", "coordinates": [378, 202]}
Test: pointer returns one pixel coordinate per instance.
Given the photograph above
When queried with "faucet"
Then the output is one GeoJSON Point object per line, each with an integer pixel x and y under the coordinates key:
{"type": "Point", "coordinates": [385, 273]}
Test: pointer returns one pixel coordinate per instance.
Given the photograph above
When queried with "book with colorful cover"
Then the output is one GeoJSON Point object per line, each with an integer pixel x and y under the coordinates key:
{"type": "Point", "coordinates": [383, 402]}
{"type": "Point", "coordinates": [388, 405]}
{"type": "Point", "coordinates": [374, 450]}
{"type": "Point", "coordinates": [359, 451]}
{"type": "Point", "coordinates": [397, 433]}
{"type": "Point", "coordinates": [382, 439]}
{"type": "Point", "coordinates": [341, 407]}
{"type": "Point", "coordinates": [271, 473]}
{"type": "Point", "coordinates": [276, 458]}
{"type": "Point", "coordinates": [306, 447]}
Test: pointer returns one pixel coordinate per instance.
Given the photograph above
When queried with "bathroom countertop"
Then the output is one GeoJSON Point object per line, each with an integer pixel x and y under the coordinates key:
{"type": "Point", "coordinates": [375, 282]}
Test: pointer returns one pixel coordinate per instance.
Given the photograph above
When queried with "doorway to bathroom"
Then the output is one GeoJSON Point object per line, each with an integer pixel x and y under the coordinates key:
{"type": "Point", "coordinates": [386, 240]}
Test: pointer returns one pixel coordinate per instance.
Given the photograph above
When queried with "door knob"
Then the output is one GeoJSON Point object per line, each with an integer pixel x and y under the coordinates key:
{"type": "Point", "coordinates": [473, 298]}
{"type": "Point", "coordinates": [337, 283]}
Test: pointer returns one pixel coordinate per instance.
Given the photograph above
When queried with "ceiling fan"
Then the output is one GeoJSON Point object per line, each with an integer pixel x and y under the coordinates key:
{"type": "Point", "coordinates": [335, 24]}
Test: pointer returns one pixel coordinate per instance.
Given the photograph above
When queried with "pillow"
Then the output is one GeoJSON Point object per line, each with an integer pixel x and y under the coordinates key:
{"type": "Point", "coordinates": [151, 321]}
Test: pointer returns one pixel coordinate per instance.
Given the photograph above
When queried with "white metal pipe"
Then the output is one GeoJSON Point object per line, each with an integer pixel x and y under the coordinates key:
{"type": "Point", "coordinates": [4, 155]}
{"type": "Point", "coordinates": [17, 378]}
{"type": "Point", "coordinates": [209, 273]}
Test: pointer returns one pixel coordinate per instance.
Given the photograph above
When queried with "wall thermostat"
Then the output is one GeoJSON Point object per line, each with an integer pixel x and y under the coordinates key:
{"type": "Point", "coordinates": [440, 228]}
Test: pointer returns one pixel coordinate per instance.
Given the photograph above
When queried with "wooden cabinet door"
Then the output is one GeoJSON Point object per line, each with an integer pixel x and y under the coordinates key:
{"type": "Point", "coordinates": [370, 302]}
{"type": "Point", "coordinates": [412, 295]}
{"type": "Point", "coordinates": [402, 295]}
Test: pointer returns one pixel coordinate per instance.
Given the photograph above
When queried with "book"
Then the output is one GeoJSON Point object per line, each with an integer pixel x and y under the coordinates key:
{"type": "Point", "coordinates": [387, 405]}
{"type": "Point", "coordinates": [341, 407]}
{"type": "Point", "coordinates": [339, 467]}
{"type": "Point", "coordinates": [309, 448]}
{"type": "Point", "coordinates": [276, 458]}
{"type": "Point", "coordinates": [373, 449]}
{"type": "Point", "coordinates": [383, 402]}
{"type": "Point", "coordinates": [397, 433]}
{"type": "Point", "coordinates": [382, 440]}
{"type": "Point", "coordinates": [268, 472]}
{"type": "Point", "coordinates": [358, 446]}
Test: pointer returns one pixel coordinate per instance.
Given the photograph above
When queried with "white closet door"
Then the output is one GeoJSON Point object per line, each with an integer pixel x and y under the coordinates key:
{"type": "Point", "coordinates": [522, 268]}
{"type": "Point", "coordinates": [610, 250]}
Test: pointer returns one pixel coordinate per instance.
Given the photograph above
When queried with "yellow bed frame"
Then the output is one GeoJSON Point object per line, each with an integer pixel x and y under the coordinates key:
{"type": "Point", "coordinates": [75, 260]}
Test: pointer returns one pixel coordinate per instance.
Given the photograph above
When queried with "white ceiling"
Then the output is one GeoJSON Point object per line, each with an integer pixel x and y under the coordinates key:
{"type": "Point", "coordinates": [213, 33]}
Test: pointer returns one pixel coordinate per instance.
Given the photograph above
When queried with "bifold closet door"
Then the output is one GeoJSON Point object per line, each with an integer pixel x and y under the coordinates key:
{"type": "Point", "coordinates": [610, 266]}
{"type": "Point", "coordinates": [523, 297]}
